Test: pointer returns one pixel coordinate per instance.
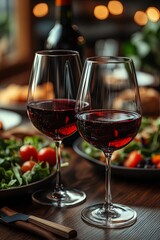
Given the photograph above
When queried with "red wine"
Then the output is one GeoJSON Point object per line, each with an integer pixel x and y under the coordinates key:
{"type": "Point", "coordinates": [108, 129]}
{"type": "Point", "coordinates": [54, 118]}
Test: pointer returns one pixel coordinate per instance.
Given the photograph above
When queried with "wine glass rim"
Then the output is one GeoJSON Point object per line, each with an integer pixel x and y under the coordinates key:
{"type": "Point", "coordinates": [58, 52]}
{"type": "Point", "coordinates": [108, 59]}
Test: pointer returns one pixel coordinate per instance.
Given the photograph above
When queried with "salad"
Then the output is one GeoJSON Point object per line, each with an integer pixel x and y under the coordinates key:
{"type": "Point", "coordinates": [142, 152]}
{"type": "Point", "coordinates": [24, 161]}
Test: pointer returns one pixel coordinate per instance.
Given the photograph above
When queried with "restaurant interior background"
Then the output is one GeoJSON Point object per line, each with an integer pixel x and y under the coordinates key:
{"type": "Point", "coordinates": [108, 30]}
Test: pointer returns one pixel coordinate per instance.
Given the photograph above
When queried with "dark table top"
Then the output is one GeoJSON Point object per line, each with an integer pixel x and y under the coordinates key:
{"type": "Point", "coordinates": [141, 194]}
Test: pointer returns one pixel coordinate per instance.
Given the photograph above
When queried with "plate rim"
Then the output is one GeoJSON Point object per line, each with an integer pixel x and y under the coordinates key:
{"type": "Point", "coordinates": [22, 187]}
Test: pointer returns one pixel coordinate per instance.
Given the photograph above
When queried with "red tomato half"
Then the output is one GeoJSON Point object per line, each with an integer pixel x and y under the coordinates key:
{"type": "Point", "coordinates": [28, 152]}
{"type": "Point", "coordinates": [133, 159]}
{"type": "Point", "coordinates": [47, 154]}
{"type": "Point", "coordinates": [27, 166]}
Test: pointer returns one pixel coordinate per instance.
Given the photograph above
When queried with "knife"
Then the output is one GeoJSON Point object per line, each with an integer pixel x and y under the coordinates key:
{"type": "Point", "coordinates": [7, 215]}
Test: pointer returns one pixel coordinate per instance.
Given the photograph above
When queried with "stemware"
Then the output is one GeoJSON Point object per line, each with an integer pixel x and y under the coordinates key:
{"type": "Point", "coordinates": [108, 120]}
{"type": "Point", "coordinates": [51, 101]}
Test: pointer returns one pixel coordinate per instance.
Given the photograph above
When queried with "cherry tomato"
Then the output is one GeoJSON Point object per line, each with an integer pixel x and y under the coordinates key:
{"type": "Point", "coordinates": [156, 159]}
{"type": "Point", "coordinates": [27, 166]}
{"type": "Point", "coordinates": [28, 152]}
{"type": "Point", "coordinates": [47, 154]}
{"type": "Point", "coordinates": [133, 159]}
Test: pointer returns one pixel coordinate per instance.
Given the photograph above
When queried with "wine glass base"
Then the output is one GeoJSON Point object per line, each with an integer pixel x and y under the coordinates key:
{"type": "Point", "coordinates": [119, 217]}
{"type": "Point", "coordinates": [64, 198]}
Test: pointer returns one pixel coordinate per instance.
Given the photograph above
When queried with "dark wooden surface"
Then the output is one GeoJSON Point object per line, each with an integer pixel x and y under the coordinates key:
{"type": "Point", "coordinates": [140, 194]}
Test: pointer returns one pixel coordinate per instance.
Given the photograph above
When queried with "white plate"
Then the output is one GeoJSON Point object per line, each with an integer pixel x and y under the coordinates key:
{"type": "Point", "coordinates": [9, 119]}
{"type": "Point", "coordinates": [144, 79]}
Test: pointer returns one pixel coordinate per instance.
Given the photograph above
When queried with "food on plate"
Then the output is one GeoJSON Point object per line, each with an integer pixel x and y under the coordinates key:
{"type": "Point", "coordinates": [28, 152]}
{"type": "Point", "coordinates": [150, 100]}
{"type": "Point", "coordinates": [14, 93]}
{"type": "Point", "coordinates": [19, 163]}
{"type": "Point", "coordinates": [142, 152]}
{"type": "Point", "coordinates": [27, 166]}
{"type": "Point", "coordinates": [47, 154]}
{"type": "Point", "coordinates": [133, 159]}
{"type": "Point", "coordinates": [114, 80]}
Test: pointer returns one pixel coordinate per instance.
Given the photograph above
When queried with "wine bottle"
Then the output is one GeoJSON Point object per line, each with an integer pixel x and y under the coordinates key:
{"type": "Point", "coordinates": [65, 35]}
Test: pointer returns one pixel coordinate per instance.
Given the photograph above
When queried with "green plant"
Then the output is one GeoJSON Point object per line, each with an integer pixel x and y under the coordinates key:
{"type": "Point", "coordinates": [144, 47]}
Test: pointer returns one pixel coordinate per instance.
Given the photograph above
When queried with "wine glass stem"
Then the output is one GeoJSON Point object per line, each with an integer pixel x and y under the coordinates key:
{"type": "Point", "coordinates": [58, 166]}
{"type": "Point", "coordinates": [108, 196]}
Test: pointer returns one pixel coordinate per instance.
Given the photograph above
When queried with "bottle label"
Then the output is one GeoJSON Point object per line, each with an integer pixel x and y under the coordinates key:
{"type": "Point", "coordinates": [62, 2]}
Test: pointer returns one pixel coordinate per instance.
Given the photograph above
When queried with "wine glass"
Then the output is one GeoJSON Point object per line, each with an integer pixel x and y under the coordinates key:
{"type": "Point", "coordinates": [108, 120]}
{"type": "Point", "coordinates": [51, 101]}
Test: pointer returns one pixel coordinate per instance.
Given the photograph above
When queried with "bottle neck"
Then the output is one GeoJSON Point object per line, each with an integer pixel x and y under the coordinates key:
{"type": "Point", "coordinates": [63, 12]}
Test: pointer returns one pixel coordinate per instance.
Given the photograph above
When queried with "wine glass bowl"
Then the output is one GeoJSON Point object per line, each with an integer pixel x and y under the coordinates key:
{"type": "Point", "coordinates": [53, 112]}
{"type": "Point", "coordinates": [108, 126]}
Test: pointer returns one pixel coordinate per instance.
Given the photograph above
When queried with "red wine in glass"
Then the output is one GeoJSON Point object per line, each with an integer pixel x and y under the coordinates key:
{"type": "Point", "coordinates": [110, 129]}
{"type": "Point", "coordinates": [55, 118]}
{"type": "Point", "coordinates": [52, 112]}
{"type": "Point", "coordinates": [108, 126]}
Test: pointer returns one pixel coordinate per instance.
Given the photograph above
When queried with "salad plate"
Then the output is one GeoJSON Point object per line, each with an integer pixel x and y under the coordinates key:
{"type": "Point", "coordinates": [134, 172]}
{"type": "Point", "coordinates": [15, 192]}
{"type": "Point", "coordinates": [13, 181]}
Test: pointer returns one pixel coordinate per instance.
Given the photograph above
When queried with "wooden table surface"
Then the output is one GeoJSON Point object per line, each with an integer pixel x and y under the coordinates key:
{"type": "Point", "coordinates": [141, 194]}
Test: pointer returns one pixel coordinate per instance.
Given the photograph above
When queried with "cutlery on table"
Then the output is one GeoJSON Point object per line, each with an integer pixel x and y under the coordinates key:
{"type": "Point", "coordinates": [35, 224]}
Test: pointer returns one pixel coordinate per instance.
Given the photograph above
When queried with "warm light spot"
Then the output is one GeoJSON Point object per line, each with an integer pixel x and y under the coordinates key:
{"type": "Point", "coordinates": [153, 14]}
{"type": "Point", "coordinates": [115, 7]}
{"type": "Point", "coordinates": [81, 40]}
{"type": "Point", "coordinates": [140, 18]}
{"type": "Point", "coordinates": [101, 12]}
{"type": "Point", "coordinates": [40, 10]}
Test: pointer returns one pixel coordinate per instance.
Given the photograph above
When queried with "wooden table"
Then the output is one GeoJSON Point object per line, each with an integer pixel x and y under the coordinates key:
{"type": "Point", "coordinates": [140, 194]}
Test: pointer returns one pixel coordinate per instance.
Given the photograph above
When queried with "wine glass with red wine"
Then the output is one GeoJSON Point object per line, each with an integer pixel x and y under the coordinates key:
{"type": "Point", "coordinates": [52, 95]}
{"type": "Point", "coordinates": [108, 119]}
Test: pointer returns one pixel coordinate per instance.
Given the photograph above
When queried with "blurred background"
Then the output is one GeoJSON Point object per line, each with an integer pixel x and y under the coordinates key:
{"type": "Point", "coordinates": [128, 28]}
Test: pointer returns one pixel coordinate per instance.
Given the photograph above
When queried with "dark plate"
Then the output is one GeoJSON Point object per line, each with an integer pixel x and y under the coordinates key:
{"type": "Point", "coordinates": [26, 189]}
{"type": "Point", "coordinates": [118, 170]}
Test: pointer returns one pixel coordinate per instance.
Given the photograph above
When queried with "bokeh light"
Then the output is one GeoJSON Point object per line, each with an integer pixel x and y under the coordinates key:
{"type": "Point", "coordinates": [101, 12]}
{"type": "Point", "coordinates": [115, 7]}
{"type": "Point", "coordinates": [40, 10]}
{"type": "Point", "coordinates": [141, 18]}
{"type": "Point", "coordinates": [153, 14]}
